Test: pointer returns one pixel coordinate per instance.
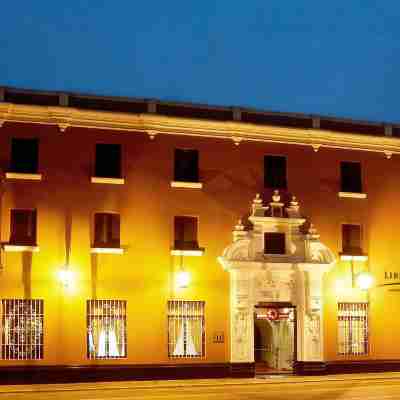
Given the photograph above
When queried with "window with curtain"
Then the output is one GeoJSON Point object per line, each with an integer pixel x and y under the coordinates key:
{"type": "Point", "coordinates": [22, 329]}
{"type": "Point", "coordinates": [23, 227]}
{"type": "Point", "coordinates": [186, 329]}
{"type": "Point", "coordinates": [353, 329]}
{"type": "Point", "coordinates": [106, 329]}
{"type": "Point", "coordinates": [106, 230]}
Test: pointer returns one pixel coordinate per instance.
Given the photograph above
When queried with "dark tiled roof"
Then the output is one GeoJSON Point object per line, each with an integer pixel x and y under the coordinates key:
{"type": "Point", "coordinates": [133, 105]}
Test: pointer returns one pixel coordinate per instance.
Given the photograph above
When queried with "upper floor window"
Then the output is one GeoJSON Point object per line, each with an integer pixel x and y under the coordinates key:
{"type": "Point", "coordinates": [350, 173]}
{"type": "Point", "coordinates": [22, 329]}
{"type": "Point", "coordinates": [275, 172]}
{"type": "Point", "coordinates": [186, 166]}
{"type": "Point", "coordinates": [23, 227]}
{"type": "Point", "coordinates": [186, 328]}
{"type": "Point", "coordinates": [353, 329]}
{"type": "Point", "coordinates": [108, 160]}
{"type": "Point", "coordinates": [274, 243]}
{"type": "Point", "coordinates": [106, 329]}
{"type": "Point", "coordinates": [185, 233]}
{"type": "Point", "coordinates": [351, 239]}
{"type": "Point", "coordinates": [106, 230]}
{"type": "Point", "coordinates": [24, 155]}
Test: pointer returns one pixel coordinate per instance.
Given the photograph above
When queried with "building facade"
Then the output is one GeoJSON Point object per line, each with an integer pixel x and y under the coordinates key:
{"type": "Point", "coordinates": [153, 240]}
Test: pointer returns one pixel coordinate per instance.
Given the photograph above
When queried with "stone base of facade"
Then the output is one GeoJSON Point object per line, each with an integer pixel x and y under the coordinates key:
{"type": "Point", "coordinates": [89, 373]}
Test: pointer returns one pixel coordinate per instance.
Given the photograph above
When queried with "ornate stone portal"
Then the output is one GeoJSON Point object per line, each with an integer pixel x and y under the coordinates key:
{"type": "Point", "coordinates": [276, 261]}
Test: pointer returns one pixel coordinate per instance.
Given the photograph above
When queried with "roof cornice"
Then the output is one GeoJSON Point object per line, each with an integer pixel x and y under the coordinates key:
{"type": "Point", "coordinates": [154, 124]}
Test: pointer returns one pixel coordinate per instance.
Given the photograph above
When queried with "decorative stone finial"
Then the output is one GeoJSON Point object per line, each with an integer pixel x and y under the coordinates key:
{"type": "Point", "coordinates": [294, 202]}
{"type": "Point", "coordinates": [239, 231]}
{"type": "Point", "coordinates": [276, 198]}
{"type": "Point", "coordinates": [312, 232]}
{"type": "Point", "coordinates": [257, 203]}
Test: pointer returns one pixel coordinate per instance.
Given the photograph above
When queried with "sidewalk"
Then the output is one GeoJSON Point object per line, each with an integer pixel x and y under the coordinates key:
{"type": "Point", "coordinates": [161, 384]}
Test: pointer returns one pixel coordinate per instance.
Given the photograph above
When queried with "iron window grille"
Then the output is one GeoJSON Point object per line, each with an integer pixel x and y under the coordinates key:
{"type": "Point", "coordinates": [106, 329]}
{"type": "Point", "coordinates": [353, 329]}
{"type": "Point", "coordinates": [186, 329]}
{"type": "Point", "coordinates": [21, 329]}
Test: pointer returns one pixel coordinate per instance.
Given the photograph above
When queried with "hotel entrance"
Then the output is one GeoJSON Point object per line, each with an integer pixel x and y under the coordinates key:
{"type": "Point", "coordinates": [274, 338]}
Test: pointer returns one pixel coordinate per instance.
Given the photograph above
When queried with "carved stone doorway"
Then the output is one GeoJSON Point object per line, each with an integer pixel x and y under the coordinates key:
{"type": "Point", "coordinates": [275, 336]}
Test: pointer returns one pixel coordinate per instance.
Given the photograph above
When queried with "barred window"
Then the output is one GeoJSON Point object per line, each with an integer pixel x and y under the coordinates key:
{"type": "Point", "coordinates": [186, 329]}
{"type": "Point", "coordinates": [106, 328]}
{"type": "Point", "coordinates": [353, 328]}
{"type": "Point", "coordinates": [22, 329]}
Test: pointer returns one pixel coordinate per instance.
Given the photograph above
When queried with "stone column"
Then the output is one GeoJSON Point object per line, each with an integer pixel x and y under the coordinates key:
{"type": "Point", "coordinates": [242, 318]}
{"type": "Point", "coordinates": [310, 315]}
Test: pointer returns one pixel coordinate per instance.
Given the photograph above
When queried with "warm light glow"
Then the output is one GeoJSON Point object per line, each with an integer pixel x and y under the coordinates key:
{"type": "Point", "coordinates": [66, 277]}
{"type": "Point", "coordinates": [364, 280]}
{"type": "Point", "coordinates": [182, 279]}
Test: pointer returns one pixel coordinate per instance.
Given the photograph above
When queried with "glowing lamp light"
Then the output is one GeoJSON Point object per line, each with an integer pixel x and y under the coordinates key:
{"type": "Point", "coordinates": [364, 280]}
{"type": "Point", "coordinates": [66, 277]}
{"type": "Point", "coordinates": [182, 279]}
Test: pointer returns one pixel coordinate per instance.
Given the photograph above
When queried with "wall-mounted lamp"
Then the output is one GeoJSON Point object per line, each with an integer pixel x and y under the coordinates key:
{"type": "Point", "coordinates": [66, 277]}
{"type": "Point", "coordinates": [182, 279]}
{"type": "Point", "coordinates": [364, 280]}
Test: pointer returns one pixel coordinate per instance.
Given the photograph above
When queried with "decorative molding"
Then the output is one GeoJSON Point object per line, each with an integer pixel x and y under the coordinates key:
{"type": "Point", "coordinates": [193, 253]}
{"type": "Point", "coordinates": [316, 147]}
{"type": "Point", "coordinates": [143, 123]}
{"type": "Point", "coordinates": [237, 140]}
{"type": "Point", "coordinates": [23, 176]}
{"type": "Point", "coordinates": [353, 195]}
{"type": "Point", "coordinates": [187, 185]}
{"type": "Point", "coordinates": [388, 154]}
{"type": "Point", "coordinates": [109, 181]}
{"type": "Point", "coordinates": [107, 250]}
{"type": "Point", "coordinates": [63, 127]}
{"type": "Point", "coordinates": [152, 134]}
{"type": "Point", "coordinates": [349, 257]}
{"type": "Point", "coordinates": [13, 248]}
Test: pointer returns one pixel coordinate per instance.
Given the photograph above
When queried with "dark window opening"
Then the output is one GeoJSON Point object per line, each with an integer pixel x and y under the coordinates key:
{"type": "Point", "coordinates": [186, 165]}
{"type": "Point", "coordinates": [23, 227]}
{"type": "Point", "coordinates": [185, 233]}
{"type": "Point", "coordinates": [351, 239]}
{"type": "Point", "coordinates": [275, 172]}
{"type": "Point", "coordinates": [106, 230]}
{"type": "Point", "coordinates": [274, 243]}
{"type": "Point", "coordinates": [108, 160]}
{"type": "Point", "coordinates": [24, 155]}
{"type": "Point", "coordinates": [351, 177]}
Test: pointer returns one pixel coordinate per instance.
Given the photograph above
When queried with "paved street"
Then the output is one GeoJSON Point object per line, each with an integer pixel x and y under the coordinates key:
{"type": "Point", "coordinates": [359, 387]}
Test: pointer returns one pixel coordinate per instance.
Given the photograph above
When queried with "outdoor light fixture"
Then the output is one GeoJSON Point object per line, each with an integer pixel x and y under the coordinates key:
{"type": "Point", "coordinates": [364, 280]}
{"type": "Point", "coordinates": [66, 277]}
{"type": "Point", "coordinates": [182, 279]}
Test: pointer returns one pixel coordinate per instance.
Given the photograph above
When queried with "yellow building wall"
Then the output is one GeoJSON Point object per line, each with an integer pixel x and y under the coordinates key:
{"type": "Point", "coordinates": [144, 274]}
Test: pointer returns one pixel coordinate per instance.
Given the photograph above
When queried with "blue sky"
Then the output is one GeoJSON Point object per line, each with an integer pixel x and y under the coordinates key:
{"type": "Point", "coordinates": [338, 58]}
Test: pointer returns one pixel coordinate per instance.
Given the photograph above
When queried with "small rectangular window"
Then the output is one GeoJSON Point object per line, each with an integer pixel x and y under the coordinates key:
{"type": "Point", "coordinates": [186, 328]}
{"type": "Point", "coordinates": [274, 243]}
{"type": "Point", "coordinates": [186, 167]}
{"type": "Point", "coordinates": [351, 239]}
{"type": "Point", "coordinates": [275, 172]}
{"type": "Point", "coordinates": [353, 329]}
{"type": "Point", "coordinates": [185, 233]}
{"type": "Point", "coordinates": [108, 160]}
{"type": "Point", "coordinates": [106, 230]}
{"type": "Point", "coordinates": [106, 329]}
{"type": "Point", "coordinates": [351, 177]}
{"type": "Point", "coordinates": [22, 329]}
{"type": "Point", "coordinates": [23, 227]}
{"type": "Point", "coordinates": [24, 155]}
